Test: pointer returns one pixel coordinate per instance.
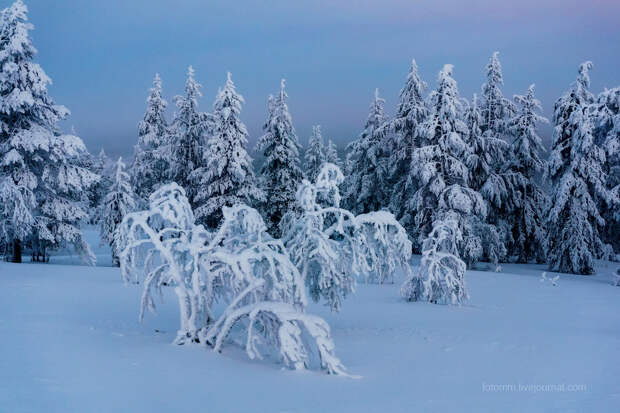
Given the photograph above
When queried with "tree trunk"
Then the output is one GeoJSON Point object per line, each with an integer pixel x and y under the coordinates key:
{"type": "Point", "coordinates": [17, 251]}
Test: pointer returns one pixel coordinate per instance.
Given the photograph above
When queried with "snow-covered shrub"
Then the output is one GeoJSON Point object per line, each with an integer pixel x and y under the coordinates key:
{"type": "Point", "coordinates": [385, 247]}
{"type": "Point", "coordinates": [240, 265]}
{"type": "Point", "coordinates": [330, 246]}
{"type": "Point", "coordinates": [439, 279]}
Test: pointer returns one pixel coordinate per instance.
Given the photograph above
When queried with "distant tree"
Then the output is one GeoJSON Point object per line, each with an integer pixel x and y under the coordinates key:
{"type": "Point", "coordinates": [331, 153]}
{"type": "Point", "coordinates": [576, 170]}
{"type": "Point", "coordinates": [119, 201]}
{"type": "Point", "coordinates": [150, 167]}
{"type": "Point", "coordinates": [315, 155]}
{"type": "Point", "coordinates": [366, 184]}
{"type": "Point", "coordinates": [527, 200]}
{"type": "Point", "coordinates": [187, 139]}
{"type": "Point", "coordinates": [33, 153]}
{"type": "Point", "coordinates": [228, 177]}
{"type": "Point", "coordinates": [100, 165]}
{"type": "Point", "coordinates": [281, 174]}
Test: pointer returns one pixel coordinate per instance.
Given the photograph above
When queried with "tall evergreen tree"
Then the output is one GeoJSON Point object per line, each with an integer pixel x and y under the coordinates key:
{"type": "Point", "coordinates": [280, 172]}
{"type": "Point", "coordinates": [528, 201]}
{"type": "Point", "coordinates": [443, 193]}
{"type": "Point", "coordinates": [366, 184]}
{"type": "Point", "coordinates": [484, 151]}
{"type": "Point", "coordinates": [576, 169]}
{"type": "Point", "coordinates": [492, 150]}
{"type": "Point", "coordinates": [187, 138]}
{"type": "Point", "coordinates": [33, 152]}
{"type": "Point", "coordinates": [150, 163]}
{"type": "Point", "coordinates": [496, 109]}
{"type": "Point", "coordinates": [118, 202]}
{"type": "Point", "coordinates": [315, 155]}
{"type": "Point", "coordinates": [410, 113]}
{"type": "Point", "coordinates": [228, 178]}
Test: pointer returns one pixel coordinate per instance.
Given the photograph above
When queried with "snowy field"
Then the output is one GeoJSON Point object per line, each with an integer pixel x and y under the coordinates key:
{"type": "Point", "coordinates": [71, 342]}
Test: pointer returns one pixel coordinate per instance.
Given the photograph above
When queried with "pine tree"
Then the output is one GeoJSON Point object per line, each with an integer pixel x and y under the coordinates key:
{"type": "Point", "coordinates": [366, 185]}
{"type": "Point", "coordinates": [607, 134]}
{"type": "Point", "coordinates": [410, 114]}
{"type": "Point", "coordinates": [578, 179]}
{"type": "Point", "coordinates": [528, 201]}
{"type": "Point", "coordinates": [33, 152]}
{"type": "Point", "coordinates": [228, 178]}
{"type": "Point", "coordinates": [119, 201]}
{"type": "Point", "coordinates": [444, 177]}
{"type": "Point", "coordinates": [280, 172]}
{"type": "Point", "coordinates": [315, 155]}
{"type": "Point", "coordinates": [150, 166]}
{"type": "Point", "coordinates": [187, 137]}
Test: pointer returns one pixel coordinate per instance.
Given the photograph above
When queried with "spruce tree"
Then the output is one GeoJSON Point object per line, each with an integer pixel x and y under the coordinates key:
{"type": "Point", "coordinates": [492, 150]}
{"type": "Point", "coordinates": [280, 172]}
{"type": "Point", "coordinates": [410, 114]}
{"type": "Point", "coordinates": [315, 155]}
{"type": "Point", "coordinates": [187, 138]}
{"type": "Point", "coordinates": [150, 163]}
{"type": "Point", "coordinates": [118, 202]}
{"type": "Point", "coordinates": [443, 193]}
{"type": "Point", "coordinates": [527, 200]}
{"type": "Point", "coordinates": [228, 178]}
{"type": "Point", "coordinates": [366, 184]}
{"type": "Point", "coordinates": [33, 152]}
{"type": "Point", "coordinates": [576, 170]}
{"type": "Point", "coordinates": [484, 151]}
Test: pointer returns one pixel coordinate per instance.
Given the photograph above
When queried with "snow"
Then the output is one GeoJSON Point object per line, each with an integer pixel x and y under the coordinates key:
{"type": "Point", "coordinates": [71, 339]}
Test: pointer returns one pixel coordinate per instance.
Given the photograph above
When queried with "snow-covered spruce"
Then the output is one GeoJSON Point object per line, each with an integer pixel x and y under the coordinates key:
{"type": "Point", "coordinates": [280, 173]}
{"type": "Point", "coordinates": [187, 138]}
{"type": "Point", "coordinates": [101, 166]}
{"type": "Point", "coordinates": [330, 246]}
{"type": "Point", "coordinates": [440, 278]}
{"type": "Point", "coordinates": [227, 177]}
{"type": "Point", "coordinates": [606, 112]}
{"type": "Point", "coordinates": [119, 201]}
{"type": "Point", "coordinates": [240, 265]}
{"type": "Point", "coordinates": [404, 134]}
{"type": "Point", "coordinates": [367, 181]}
{"type": "Point", "coordinates": [315, 155]}
{"type": "Point", "coordinates": [576, 170]}
{"type": "Point", "coordinates": [527, 200]}
{"type": "Point", "coordinates": [150, 163]}
{"type": "Point", "coordinates": [331, 153]}
{"type": "Point", "coordinates": [33, 152]}
{"type": "Point", "coordinates": [484, 158]}
{"type": "Point", "coordinates": [443, 174]}
{"type": "Point", "coordinates": [492, 152]}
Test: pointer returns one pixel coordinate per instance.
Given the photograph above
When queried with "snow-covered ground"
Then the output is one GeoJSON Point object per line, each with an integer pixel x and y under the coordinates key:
{"type": "Point", "coordinates": [70, 341]}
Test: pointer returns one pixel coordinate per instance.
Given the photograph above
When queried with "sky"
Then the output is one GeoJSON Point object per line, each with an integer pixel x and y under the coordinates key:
{"type": "Point", "coordinates": [103, 55]}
